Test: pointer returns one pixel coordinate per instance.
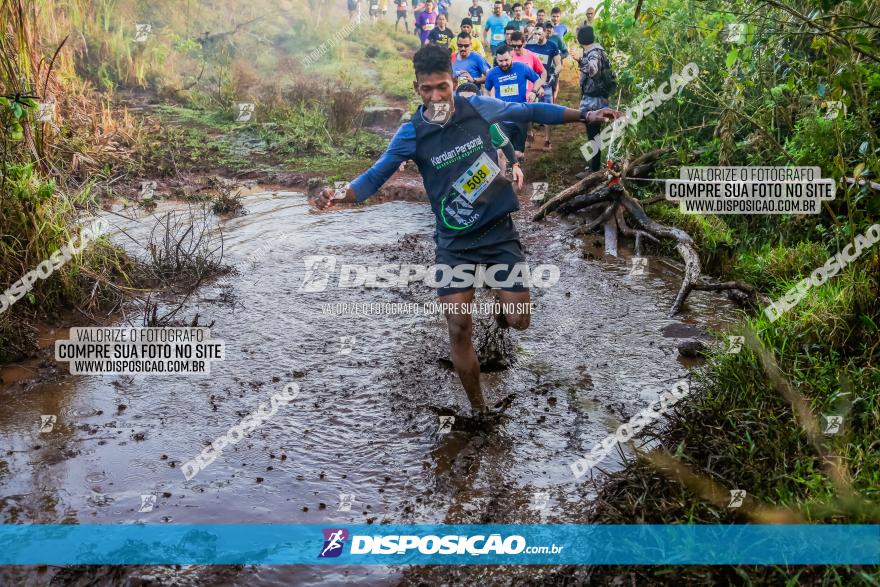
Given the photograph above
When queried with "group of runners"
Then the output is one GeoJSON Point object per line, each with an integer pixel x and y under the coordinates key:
{"type": "Point", "coordinates": [457, 139]}
{"type": "Point", "coordinates": [515, 54]}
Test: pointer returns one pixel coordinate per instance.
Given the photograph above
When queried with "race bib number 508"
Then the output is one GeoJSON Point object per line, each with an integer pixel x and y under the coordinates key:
{"type": "Point", "coordinates": [476, 178]}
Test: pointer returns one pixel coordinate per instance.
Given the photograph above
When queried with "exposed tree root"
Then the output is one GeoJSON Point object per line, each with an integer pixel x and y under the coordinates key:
{"type": "Point", "coordinates": [583, 186]}
{"type": "Point", "coordinates": [632, 233]}
{"type": "Point", "coordinates": [737, 290]}
{"type": "Point", "coordinates": [602, 194]}
{"type": "Point", "coordinates": [593, 192]}
{"type": "Point", "coordinates": [605, 215]}
{"type": "Point", "coordinates": [685, 247]}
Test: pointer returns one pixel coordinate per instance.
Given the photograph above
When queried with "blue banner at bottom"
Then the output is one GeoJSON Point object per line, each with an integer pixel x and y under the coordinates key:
{"type": "Point", "coordinates": [440, 544]}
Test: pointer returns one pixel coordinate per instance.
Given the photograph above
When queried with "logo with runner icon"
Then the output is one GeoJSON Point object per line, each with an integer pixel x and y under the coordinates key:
{"type": "Point", "coordinates": [317, 274]}
{"type": "Point", "coordinates": [446, 423]}
{"type": "Point", "coordinates": [461, 212]}
{"type": "Point", "coordinates": [334, 540]}
{"type": "Point", "coordinates": [47, 423]}
{"type": "Point", "coordinates": [438, 112]}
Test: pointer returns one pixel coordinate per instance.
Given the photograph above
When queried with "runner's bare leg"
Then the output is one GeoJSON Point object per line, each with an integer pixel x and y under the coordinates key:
{"type": "Point", "coordinates": [516, 309]}
{"type": "Point", "coordinates": [464, 357]}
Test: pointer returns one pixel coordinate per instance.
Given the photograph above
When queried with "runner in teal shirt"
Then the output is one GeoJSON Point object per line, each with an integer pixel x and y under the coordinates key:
{"type": "Point", "coordinates": [493, 33]}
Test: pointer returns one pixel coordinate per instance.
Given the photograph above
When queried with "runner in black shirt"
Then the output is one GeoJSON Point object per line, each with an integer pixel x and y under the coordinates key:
{"type": "Point", "coordinates": [441, 34]}
{"type": "Point", "coordinates": [475, 12]}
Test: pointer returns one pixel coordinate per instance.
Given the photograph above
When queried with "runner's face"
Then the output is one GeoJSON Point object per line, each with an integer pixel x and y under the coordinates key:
{"type": "Point", "coordinates": [466, 28]}
{"type": "Point", "coordinates": [517, 13]}
{"type": "Point", "coordinates": [517, 47]}
{"type": "Point", "coordinates": [590, 13]}
{"type": "Point", "coordinates": [464, 48]}
{"type": "Point", "coordinates": [504, 61]}
{"type": "Point", "coordinates": [434, 87]}
{"type": "Point", "coordinates": [498, 10]}
{"type": "Point", "coordinates": [441, 21]}
{"type": "Point", "coordinates": [538, 35]}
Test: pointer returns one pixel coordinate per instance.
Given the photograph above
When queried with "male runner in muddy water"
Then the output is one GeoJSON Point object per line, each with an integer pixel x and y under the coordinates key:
{"type": "Point", "coordinates": [448, 137]}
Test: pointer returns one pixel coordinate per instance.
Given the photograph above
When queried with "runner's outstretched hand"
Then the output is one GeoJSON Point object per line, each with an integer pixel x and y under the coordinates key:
{"type": "Point", "coordinates": [325, 198]}
{"type": "Point", "coordinates": [604, 115]}
{"type": "Point", "coordinates": [518, 176]}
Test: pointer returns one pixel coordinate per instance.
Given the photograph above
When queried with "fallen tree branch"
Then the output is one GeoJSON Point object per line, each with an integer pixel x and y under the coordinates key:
{"type": "Point", "coordinates": [861, 182]}
{"type": "Point", "coordinates": [685, 247]}
{"type": "Point", "coordinates": [600, 219]}
{"type": "Point", "coordinates": [638, 167]}
{"type": "Point", "coordinates": [584, 185]}
{"type": "Point", "coordinates": [582, 201]}
{"type": "Point", "coordinates": [750, 295]}
{"type": "Point", "coordinates": [654, 200]}
{"type": "Point", "coordinates": [632, 232]}
{"type": "Point", "coordinates": [649, 158]}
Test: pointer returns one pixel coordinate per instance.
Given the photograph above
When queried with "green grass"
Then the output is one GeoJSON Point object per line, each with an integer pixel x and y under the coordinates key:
{"type": "Point", "coordinates": [38, 220]}
{"type": "Point", "coordinates": [738, 431]}
{"type": "Point", "coordinates": [557, 168]}
{"type": "Point", "coordinates": [769, 268]}
{"type": "Point", "coordinates": [295, 138]}
{"type": "Point", "coordinates": [375, 57]}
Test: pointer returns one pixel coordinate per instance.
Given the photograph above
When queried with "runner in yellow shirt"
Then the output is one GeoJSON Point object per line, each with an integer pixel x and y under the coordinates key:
{"type": "Point", "coordinates": [467, 26]}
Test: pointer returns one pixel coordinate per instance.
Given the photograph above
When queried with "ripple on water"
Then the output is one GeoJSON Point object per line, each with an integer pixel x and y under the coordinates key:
{"type": "Point", "coordinates": [95, 478]}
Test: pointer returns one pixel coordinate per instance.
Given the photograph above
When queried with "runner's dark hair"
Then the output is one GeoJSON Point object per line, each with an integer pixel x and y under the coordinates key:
{"type": "Point", "coordinates": [517, 4]}
{"type": "Point", "coordinates": [586, 35]}
{"type": "Point", "coordinates": [432, 59]}
{"type": "Point", "coordinates": [466, 21]}
{"type": "Point", "coordinates": [464, 35]}
{"type": "Point", "coordinates": [556, 10]}
{"type": "Point", "coordinates": [517, 36]}
{"type": "Point", "coordinates": [502, 49]}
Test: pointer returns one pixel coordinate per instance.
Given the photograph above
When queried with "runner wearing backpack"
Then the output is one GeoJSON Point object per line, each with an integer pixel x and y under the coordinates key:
{"type": "Point", "coordinates": [598, 82]}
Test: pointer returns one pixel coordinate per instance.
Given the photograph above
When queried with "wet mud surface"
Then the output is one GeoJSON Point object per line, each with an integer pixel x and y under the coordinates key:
{"type": "Point", "coordinates": [600, 348]}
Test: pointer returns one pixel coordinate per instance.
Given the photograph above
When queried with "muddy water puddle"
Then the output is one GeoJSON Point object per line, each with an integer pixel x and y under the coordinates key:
{"type": "Point", "coordinates": [596, 353]}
